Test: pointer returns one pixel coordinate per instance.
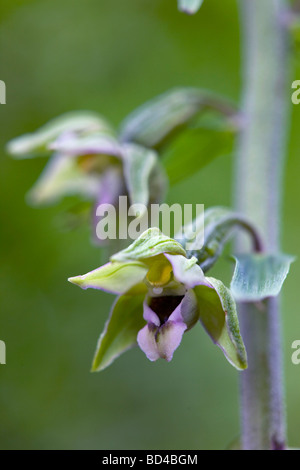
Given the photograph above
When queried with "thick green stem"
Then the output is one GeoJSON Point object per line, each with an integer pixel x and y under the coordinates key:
{"type": "Point", "coordinates": [259, 164]}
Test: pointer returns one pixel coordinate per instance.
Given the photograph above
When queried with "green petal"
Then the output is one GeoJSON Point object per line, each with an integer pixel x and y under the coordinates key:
{"type": "Point", "coordinates": [114, 277]}
{"type": "Point", "coordinates": [217, 313]}
{"type": "Point", "coordinates": [257, 276]}
{"type": "Point", "coordinates": [120, 332]}
{"type": "Point", "coordinates": [151, 243]}
{"type": "Point", "coordinates": [36, 144]}
{"type": "Point", "coordinates": [189, 6]}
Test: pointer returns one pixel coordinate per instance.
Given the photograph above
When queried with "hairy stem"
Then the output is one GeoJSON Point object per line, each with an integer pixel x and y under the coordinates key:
{"type": "Point", "coordinates": [259, 168]}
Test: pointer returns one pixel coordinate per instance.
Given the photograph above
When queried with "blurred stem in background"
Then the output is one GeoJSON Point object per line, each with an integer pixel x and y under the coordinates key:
{"type": "Point", "coordinates": [259, 171]}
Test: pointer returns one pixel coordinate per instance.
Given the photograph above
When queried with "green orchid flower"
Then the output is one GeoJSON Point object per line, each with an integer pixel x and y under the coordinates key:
{"type": "Point", "coordinates": [88, 161]}
{"type": "Point", "coordinates": [162, 295]}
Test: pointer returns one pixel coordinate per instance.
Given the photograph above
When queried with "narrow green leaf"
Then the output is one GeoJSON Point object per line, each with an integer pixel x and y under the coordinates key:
{"type": "Point", "coordinates": [152, 122]}
{"type": "Point", "coordinates": [115, 277]}
{"type": "Point", "coordinates": [139, 163]}
{"type": "Point", "coordinates": [37, 143]}
{"type": "Point", "coordinates": [193, 149]}
{"type": "Point", "coordinates": [151, 243]}
{"type": "Point", "coordinates": [258, 276]}
{"type": "Point", "coordinates": [120, 332]}
{"type": "Point", "coordinates": [189, 6]}
{"type": "Point", "coordinates": [217, 312]}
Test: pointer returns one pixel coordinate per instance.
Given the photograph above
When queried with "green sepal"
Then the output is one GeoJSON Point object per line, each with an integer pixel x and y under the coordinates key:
{"type": "Point", "coordinates": [115, 277]}
{"type": "Point", "coordinates": [120, 331]}
{"type": "Point", "coordinates": [217, 313]}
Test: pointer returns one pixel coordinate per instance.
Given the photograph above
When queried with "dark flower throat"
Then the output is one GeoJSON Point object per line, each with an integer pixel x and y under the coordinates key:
{"type": "Point", "coordinates": [165, 306]}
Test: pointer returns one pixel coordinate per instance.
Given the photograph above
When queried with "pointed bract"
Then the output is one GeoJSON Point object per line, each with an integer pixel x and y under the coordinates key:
{"type": "Point", "coordinates": [258, 276]}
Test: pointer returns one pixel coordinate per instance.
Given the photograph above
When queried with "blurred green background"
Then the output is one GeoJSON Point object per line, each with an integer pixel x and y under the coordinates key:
{"type": "Point", "coordinates": [110, 56]}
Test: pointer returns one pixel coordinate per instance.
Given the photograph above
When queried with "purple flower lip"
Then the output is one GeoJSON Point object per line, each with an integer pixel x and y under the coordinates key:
{"type": "Point", "coordinates": [164, 330]}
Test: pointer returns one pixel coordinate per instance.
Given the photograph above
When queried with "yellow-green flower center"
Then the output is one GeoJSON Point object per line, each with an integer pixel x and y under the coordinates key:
{"type": "Point", "coordinates": [160, 272]}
